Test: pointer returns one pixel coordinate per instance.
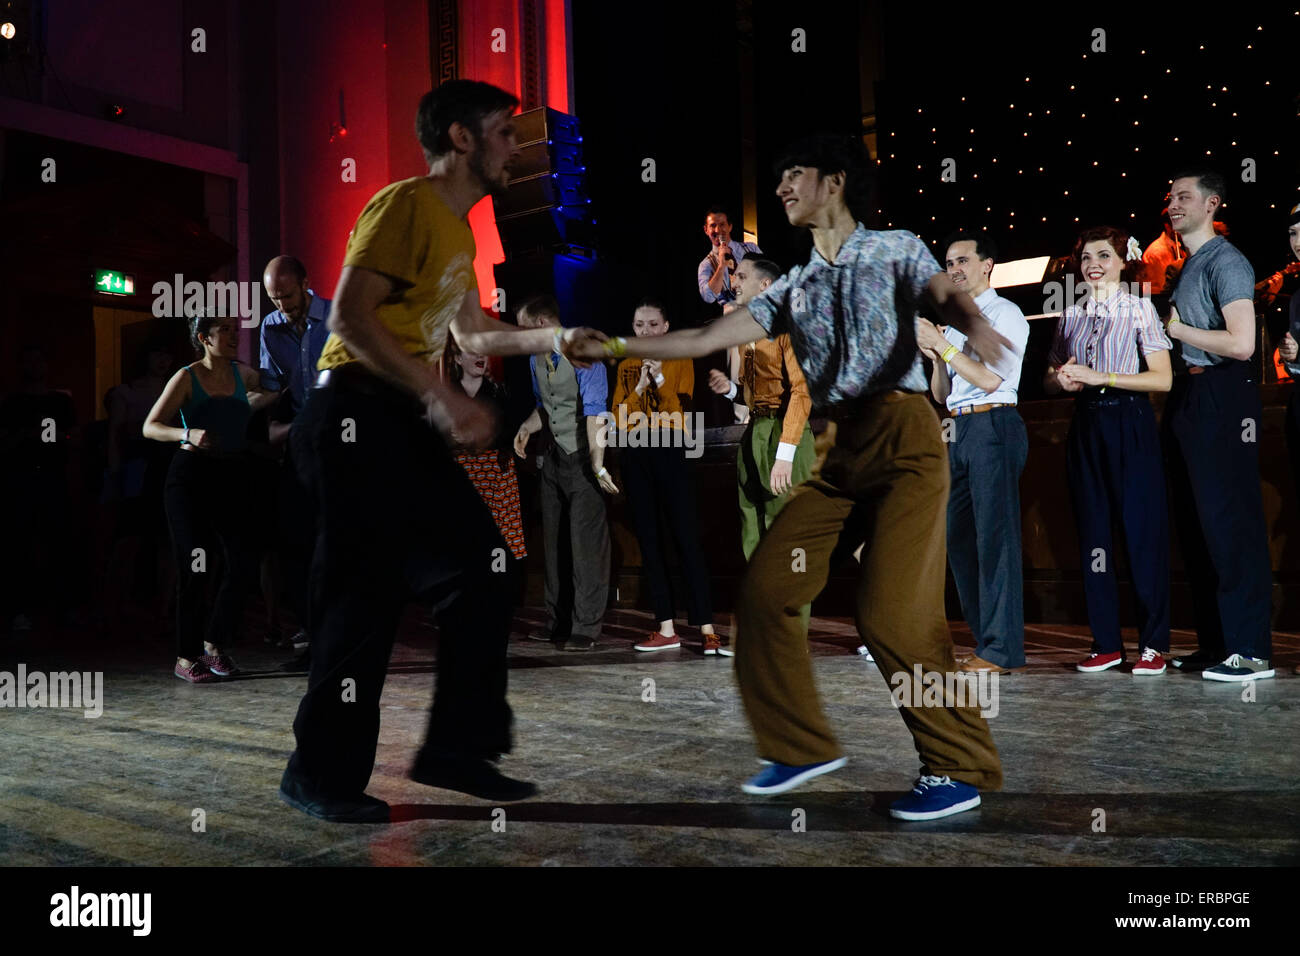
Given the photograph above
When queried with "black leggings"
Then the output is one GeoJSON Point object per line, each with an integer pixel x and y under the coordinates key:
{"type": "Point", "coordinates": [205, 500]}
{"type": "Point", "coordinates": [659, 480]}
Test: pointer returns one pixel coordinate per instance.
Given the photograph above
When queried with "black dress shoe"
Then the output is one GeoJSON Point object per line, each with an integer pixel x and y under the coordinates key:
{"type": "Point", "coordinates": [360, 809]}
{"type": "Point", "coordinates": [577, 643]}
{"type": "Point", "coordinates": [300, 663]}
{"type": "Point", "coordinates": [1199, 661]}
{"type": "Point", "coordinates": [477, 777]}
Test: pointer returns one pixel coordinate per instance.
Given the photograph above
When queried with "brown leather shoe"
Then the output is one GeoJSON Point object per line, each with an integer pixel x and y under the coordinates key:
{"type": "Point", "coordinates": [975, 664]}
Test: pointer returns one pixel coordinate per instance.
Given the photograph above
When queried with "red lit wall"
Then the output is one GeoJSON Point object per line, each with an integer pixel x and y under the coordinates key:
{"type": "Point", "coordinates": [380, 60]}
{"type": "Point", "coordinates": [494, 57]}
{"type": "Point", "coordinates": [327, 47]}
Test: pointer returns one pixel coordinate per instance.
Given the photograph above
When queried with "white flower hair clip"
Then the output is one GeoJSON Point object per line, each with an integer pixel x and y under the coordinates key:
{"type": "Point", "coordinates": [1134, 250]}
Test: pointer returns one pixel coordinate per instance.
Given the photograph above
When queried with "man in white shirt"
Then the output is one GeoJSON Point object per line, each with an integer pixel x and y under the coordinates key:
{"type": "Point", "coordinates": [988, 446]}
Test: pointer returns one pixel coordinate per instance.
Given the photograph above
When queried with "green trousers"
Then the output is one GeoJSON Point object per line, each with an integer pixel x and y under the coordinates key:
{"type": "Point", "coordinates": [758, 506]}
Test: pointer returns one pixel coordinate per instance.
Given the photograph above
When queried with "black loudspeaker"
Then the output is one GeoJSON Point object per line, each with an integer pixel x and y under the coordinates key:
{"type": "Point", "coordinates": [546, 207]}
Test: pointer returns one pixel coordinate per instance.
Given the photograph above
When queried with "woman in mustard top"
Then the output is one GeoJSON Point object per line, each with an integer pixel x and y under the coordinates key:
{"type": "Point", "coordinates": [651, 412]}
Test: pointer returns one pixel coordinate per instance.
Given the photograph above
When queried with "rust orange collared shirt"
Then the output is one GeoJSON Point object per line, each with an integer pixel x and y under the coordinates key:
{"type": "Point", "coordinates": [770, 378]}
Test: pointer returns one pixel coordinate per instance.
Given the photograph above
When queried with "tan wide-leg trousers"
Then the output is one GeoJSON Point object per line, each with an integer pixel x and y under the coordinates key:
{"type": "Point", "coordinates": [884, 473]}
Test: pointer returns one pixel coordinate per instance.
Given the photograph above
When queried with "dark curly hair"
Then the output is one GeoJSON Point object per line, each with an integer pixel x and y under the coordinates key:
{"type": "Point", "coordinates": [201, 324]}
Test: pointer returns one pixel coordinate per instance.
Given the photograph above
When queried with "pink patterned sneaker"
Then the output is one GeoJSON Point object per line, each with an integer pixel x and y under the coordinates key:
{"type": "Point", "coordinates": [197, 673]}
{"type": "Point", "coordinates": [219, 664]}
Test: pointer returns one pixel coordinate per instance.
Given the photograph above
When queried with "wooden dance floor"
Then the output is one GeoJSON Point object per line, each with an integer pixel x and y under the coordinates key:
{"type": "Point", "coordinates": [1185, 771]}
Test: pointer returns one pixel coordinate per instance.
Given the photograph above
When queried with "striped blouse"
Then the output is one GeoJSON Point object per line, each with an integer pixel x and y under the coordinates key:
{"type": "Point", "coordinates": [1106, 336]}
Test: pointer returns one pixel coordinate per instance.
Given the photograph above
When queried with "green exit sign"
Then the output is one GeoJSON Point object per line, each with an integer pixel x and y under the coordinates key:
{"type": "Point", "coordinates": [114, 283]}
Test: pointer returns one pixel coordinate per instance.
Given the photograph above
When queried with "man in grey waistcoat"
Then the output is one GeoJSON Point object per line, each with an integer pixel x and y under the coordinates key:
{"type": "Point", "coordinates": [573, 484]}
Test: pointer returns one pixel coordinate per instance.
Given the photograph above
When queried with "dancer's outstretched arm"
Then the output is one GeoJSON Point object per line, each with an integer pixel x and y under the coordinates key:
{"type": "Point", "coordinates": [475, 332]}
{"type": "Point", "coordinates": [734, 328]}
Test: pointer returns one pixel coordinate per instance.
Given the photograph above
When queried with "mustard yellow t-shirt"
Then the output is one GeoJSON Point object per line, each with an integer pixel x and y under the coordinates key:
{"type": "Point", "coordinates": [410, 235]}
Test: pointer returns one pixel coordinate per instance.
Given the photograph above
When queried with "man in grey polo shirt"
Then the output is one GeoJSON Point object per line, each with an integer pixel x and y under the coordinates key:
{"type": "Point", "coordinates": [573, 479]}
{"type": "Point", "coordinates": [986, 456]}
{"type": "Point", "coordinates": [1212, 418]}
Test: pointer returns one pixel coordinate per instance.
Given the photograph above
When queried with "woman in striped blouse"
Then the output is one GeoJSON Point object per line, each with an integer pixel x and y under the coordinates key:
{"type": "Point", "coordinates": [1110, 350]}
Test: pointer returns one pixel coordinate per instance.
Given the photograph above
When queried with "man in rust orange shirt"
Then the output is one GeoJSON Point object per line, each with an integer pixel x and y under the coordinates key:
{"type": "Point", "coordinates": [776, 452]}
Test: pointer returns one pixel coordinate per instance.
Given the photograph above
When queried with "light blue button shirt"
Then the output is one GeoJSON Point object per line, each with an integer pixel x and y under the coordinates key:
{"type": "Point", "coordinates": [739, 250]}
{"type": "Point", "coordinates": [1007, 319]}
{"type": "Point", "coordinates": [288, 360]}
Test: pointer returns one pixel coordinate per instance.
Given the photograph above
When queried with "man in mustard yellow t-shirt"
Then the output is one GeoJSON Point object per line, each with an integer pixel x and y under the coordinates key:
{"type": "Point", "coordinates": [397, 517]}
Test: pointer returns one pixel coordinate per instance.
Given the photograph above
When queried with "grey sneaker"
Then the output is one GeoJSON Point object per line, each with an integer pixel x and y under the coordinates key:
{"type": "Point", "coordinates": [1239, 668]}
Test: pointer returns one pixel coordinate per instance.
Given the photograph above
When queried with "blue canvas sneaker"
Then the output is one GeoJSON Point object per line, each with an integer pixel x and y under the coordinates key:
{"type": "Point", "coordinates": [935, 797]}
{"type": "Point", "coordinates": [778, 777]}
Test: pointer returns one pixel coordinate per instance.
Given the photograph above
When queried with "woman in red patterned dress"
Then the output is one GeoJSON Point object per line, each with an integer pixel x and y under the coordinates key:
{"type": "Point", "coordinates": [492, 469]}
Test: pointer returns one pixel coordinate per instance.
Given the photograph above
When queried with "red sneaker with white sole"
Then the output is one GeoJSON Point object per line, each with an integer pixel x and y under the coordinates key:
{"type": "Point", "coordinates": [1151, 665]}
{"type": "Point", "coordinates": [659, 642]}
{"type": "Point", "coordinates": [1100, 662]}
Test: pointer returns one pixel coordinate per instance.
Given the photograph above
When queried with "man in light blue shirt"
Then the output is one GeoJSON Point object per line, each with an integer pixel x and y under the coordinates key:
{"type": "Point", "coordinates": [574, 484]}
{"type": "Point", "coordinates": [987, 447]}
{"type": "Point", "coordinates": [714, 273]}
{"type": "Point", "coordinates": [292, 337]}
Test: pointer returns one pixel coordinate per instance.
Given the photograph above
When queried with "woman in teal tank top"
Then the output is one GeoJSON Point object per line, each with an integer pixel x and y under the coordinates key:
{"type": "Point", "coordinates": [207, 493]}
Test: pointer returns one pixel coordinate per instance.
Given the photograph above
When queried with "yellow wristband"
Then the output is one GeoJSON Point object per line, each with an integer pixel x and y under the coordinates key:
{"type": "Point", "coordinates": [948, 353]}
{"type": "Point", "coordinates": [1112, 379]}
{"type": "Point", "coordinates": [1173, 319]}
{"type": "Point", "coordinates": [616, 347]}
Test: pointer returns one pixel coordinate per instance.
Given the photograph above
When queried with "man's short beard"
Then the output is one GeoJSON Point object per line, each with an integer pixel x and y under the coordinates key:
{"type": "Point", "coordinates": [491, 187]}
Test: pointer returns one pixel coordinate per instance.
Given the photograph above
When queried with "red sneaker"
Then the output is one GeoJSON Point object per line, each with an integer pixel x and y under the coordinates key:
{"type": "Point", "coordinates": [1100, 662]}
{"type": "Point", "coordinates": [1151, 665]}
{"type": "Point", "coordinates": [712, 644]}
{"type": "Point", "coordinates": [658, 642]}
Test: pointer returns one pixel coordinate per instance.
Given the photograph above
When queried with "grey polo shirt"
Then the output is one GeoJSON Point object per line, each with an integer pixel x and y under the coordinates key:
{"type": "Point", "coordinates": [1216, 275]}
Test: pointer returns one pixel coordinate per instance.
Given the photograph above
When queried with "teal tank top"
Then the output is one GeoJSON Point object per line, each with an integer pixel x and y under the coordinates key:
{"type": "Point", "coordinates": [224, 416]}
